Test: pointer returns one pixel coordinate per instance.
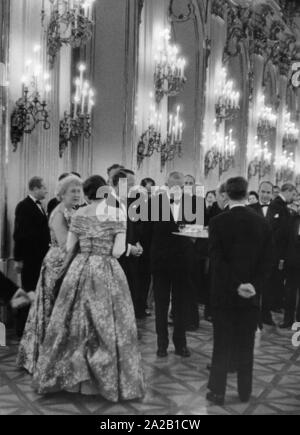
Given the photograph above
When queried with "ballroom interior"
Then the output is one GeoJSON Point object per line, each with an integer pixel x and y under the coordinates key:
{"type": "Point", "coordinates": [210, 88]}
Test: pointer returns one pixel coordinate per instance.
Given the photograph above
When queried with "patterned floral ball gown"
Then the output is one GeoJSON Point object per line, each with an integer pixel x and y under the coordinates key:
{"type": "Point", "coordinates": [91, 344]}
{"type": "Point", "coordinates": [41, 309]}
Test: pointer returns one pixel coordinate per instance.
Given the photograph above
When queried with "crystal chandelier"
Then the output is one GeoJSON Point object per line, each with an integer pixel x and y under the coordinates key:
{"type": "Point", "coordinates": [285, 166]}
{"type": "Point", "coordinates": [221, 153]}
{"type": "Point", "coordinates": [31, 107]}
{"type": "Point", "coordinates": [261, 160]}
{"type": "Point", "coordinates": [291, 133]}
{"type": "Point", "coordinates": [267, 119]}
{"type": "Point", "coordinates": [169, 145]}
{"type": "Point", "coordinates": [70, 23]}
{"type": "Point", "coordinates": [169, 75]}
{"type": "Point", "coordinates": [78, 122]}
{"type": "Point", "coordinates": [227, 98]}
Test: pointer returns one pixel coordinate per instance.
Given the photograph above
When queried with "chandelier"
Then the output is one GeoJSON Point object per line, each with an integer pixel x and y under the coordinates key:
{"type": "Point", "coordinates": [221, 153]}
{"type": "Point", "coordinates": [285, 166]}
{"type": "Point", "coordinates": [267, 119]}
{"type": "Point", "coordinates": [31, 108]}
{"type": "Point", "coordinates": [169, 145]}
{"type": "Point", "coordinates": [227, 98]}
{"type": "Point", "coordinates": [169, 75]}
{"type": "Point", "coordinates": [70, 23]}
{"type": "Point", "coordinates": [78, 122]}
{"type": "Point", "coordinates": [261, 162]}
{"type": "Point", "coordinates": [291, 133]}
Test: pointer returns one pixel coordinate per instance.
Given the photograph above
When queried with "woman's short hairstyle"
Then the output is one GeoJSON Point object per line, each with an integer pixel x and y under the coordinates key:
{"type": "Point", "coordinates": [65, 183]}
{"type": "Point", "coordinates": [92, 185]}
{"type": "Point", "coordinates": [146, 181]}
{"type": "Point", "coordinates": [253, 193]}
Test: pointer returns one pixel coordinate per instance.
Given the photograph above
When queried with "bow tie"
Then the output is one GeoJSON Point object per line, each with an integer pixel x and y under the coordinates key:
{"type": "Point", "coordinates": [174, 201]}
{"type": "Point", "coordinates": [38, 202]}
{"type": "Point", "coordinates": [264, 205]}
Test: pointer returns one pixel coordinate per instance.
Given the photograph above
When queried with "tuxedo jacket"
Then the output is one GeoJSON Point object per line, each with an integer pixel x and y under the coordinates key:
{"type": "Point", "coordinates": [52, 204]}
{"type": "Point", "coordinates": [257, 208]}
{"type": "Point", "coordinates": [240, 250]}
{"type": "Point", "coordinates": [31, 232]}
{"type": "Point", "coordinates": [169, 251]}
{"type": "Point", "coordinates": [7, 288]}
{"type": "Point", "coordinates": [279, 217]}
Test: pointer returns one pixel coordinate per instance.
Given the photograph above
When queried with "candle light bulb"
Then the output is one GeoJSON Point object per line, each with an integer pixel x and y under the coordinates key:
{"type": "Point", "coordinates": [82, 67]}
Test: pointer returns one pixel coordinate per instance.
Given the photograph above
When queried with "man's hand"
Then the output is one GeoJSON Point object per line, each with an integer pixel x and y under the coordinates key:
{"type": "Point", "coordinates": [135, 251]}
{"type": "Point", "coordinates": [18, 266]}
{"type": "Point", "coordinates": [246, 291]}
{"type": "Point", "coordinates": [139, 246]}
{"type": "Point", "coordinates": [20, 299]}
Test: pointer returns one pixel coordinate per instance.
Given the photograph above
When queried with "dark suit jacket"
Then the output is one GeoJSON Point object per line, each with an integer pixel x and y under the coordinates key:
{"type": "Point", "coordinates": [31, 233]}
{"type": "Point", "coordinates": [7, 288]}
{"type": "Point", "coordinates": [279, 218]}
{"type": "Point", "coordinates": [52, 204]}
{"type": "Point", "coordinates": [169, 251]}
{"type": "Point", "coordinates": [293, 250]}
{"type": "Point", "coordinates": [240, 248]}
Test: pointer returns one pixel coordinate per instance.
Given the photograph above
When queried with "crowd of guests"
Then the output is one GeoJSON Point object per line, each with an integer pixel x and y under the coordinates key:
{"type": "Point", "coordinates": [80, 298]}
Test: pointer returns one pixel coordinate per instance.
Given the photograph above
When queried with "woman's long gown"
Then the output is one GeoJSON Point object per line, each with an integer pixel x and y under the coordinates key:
{"type": "Point", "coordinates": [91, 344]}
{"type": "Point", "coordinates": [41, 309]}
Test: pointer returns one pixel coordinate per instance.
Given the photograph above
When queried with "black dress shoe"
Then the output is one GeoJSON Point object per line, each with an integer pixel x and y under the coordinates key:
{"type": "Point", "coordinates": [162, 353]}
{"type": "Point", "coordinates": [184, 352]}
{"type": "Point", "coordinates": [217, 399]}
{"type": "Point", "coordinates": [285, 325]}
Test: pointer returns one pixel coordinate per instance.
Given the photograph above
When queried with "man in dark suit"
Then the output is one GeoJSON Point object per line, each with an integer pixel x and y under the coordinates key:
{"type": "Point", "coordinates": [32, 238]}
{"type": "Point", "coordinates": [240, 252]}
{"type": "Point", "coordinates": [265, 194]}
{"type": "Point", "coordinates": [292, 269]}
{"type": "Point", "coordinates": [122, 182]}
{"type": "Point", "coordinates": [279, 217]}
{"type": "Point", "coordinates": [170, 258]}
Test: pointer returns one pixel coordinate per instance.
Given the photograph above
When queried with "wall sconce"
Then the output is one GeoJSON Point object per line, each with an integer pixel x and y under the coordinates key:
{"type": "Point", "coordinates": [261, 163]}
{"type": "Point", "coordinates": [78, 122]}
{"type": "Point", "coordinates": [70, 23]}
{"type": "Point", "coordinates": [291, 133]}
{"type": "Point", "coordinates": [267, 119]}
{"type": "Point", "coordinates": [151, 140]}
{"type": "Point", "coordinates": [169, 75]}
{"type": "Point", "coordinates": [31, 108]}
{"type": "Point", "coordinates": [227, 99]}
{"type": "Point", "coordinates": [221, 153]}
{"type": "Point", "coordinates": [285, 166]}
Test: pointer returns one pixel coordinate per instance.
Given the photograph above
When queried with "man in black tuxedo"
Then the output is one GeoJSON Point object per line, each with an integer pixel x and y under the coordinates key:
{"type": "Point", "coordinates": [32, 238]}
{"type": "Point", "coordinates": [292, 269]}
{"type": "Point", "coordinates": [130, 259]}
{"type": "Point", "coordinates": [170, 257]}
{"type": "Point", "coordinates": [265, 194]}
{"type": "Point", "coordinates": [279, 217]}
{"type": "Point", "coordinates": [240, 246]}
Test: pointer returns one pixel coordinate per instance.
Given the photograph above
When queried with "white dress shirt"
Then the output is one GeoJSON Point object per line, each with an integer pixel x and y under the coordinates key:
{"type": "Point", "coordinates": [265, 208]}
{"type": "Point", "coordinates": [175, 208]}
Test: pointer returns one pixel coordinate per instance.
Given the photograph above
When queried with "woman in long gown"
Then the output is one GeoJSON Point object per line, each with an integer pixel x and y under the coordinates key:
{"type": "Point", "coordinates": [70, 193]}
{"type": "Point", "coordinates": [91, 344]}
